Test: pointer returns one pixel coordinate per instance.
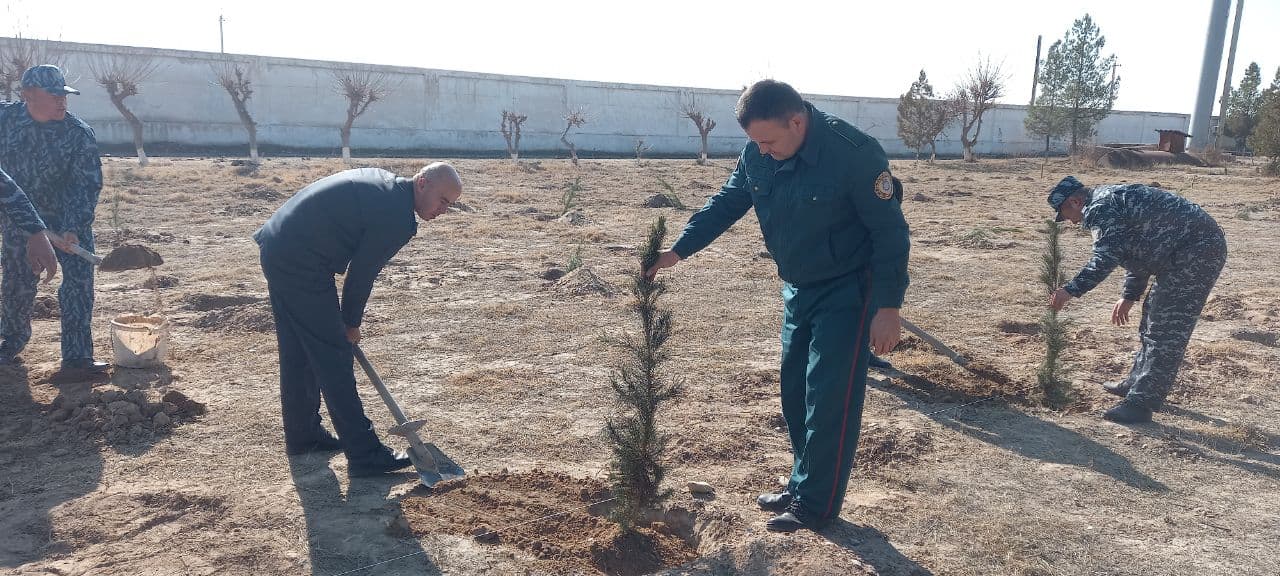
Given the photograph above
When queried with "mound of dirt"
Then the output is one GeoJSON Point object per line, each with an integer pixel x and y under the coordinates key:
{"type": "Point", "coordinates": [552, 274]}
{"type": "Point", "coordinates": [1120, 158]}
{"type": "Point", "coordinates": [920, 197]}
{"type": "Point", "coordinates": [882, 446]}
{"type": "Point", "coordinates": [246, 318]}
{"type": "Point", "coordinates": [659, 201]}
{"type": "Point", "coordinates": [123, 417]}
{"type": "Point", "coordinates": [584, 282]}
{"type": "Point", "coordinates": [1016, 327]}
{"type": "Point", "coordinates": [160, 281]}
{"type": "Point", "coordinates": [1261, 337]}
{"type": "Point", "coordinates": [938, 379]}
{"type": "Point", "coordinates": [1223, 307]}
{"type": "Point", "coordinates": [45, 308]}
{"type": "Point", "coordinates": [556, 518]}
{"type": "Point", "coordinates": [207, 302]}
{"type": "Point", "coordinates": [574, 218]}
{"type": "Point", "coordinates": [259, 192]}
{"type": "Point", "coordinates": [130, 257]}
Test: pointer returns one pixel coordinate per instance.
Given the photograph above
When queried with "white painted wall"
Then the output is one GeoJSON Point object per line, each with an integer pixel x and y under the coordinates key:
{"type": "Point", "coordinates": [296, 107]}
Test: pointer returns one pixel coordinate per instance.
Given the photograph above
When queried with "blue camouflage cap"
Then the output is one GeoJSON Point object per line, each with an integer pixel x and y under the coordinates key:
{"type": "Point", "coordinates": [49, 78]}
{"type": "Point", "coordinates": [1060, 192]}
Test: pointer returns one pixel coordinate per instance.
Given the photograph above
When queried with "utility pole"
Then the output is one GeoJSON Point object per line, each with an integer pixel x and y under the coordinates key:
{"type": "Point", "coordinates": [1226, 84]}
{"type": "Point", "coordinates": [1114, 65]}
{"type": "Point", "coordinates": [1035, 77]}
{"type": "Point", "coordinates": [222, 45]}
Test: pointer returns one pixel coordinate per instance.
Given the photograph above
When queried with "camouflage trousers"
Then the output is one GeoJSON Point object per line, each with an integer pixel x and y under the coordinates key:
{"type": "Point", "coordinates": [1169, 315]}
{"type": "Point", "coordinates": [18, 294]}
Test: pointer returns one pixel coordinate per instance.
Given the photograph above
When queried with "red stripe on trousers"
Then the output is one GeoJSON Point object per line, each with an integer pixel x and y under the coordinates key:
{"type": "Point", "coordinates": [848, 395]}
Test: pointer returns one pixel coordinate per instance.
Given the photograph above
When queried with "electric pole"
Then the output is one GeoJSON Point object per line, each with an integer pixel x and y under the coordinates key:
{"type": "Point", "coordinates": [1035, 76]}
{"type": "Point", "coordinates": [222, 46]}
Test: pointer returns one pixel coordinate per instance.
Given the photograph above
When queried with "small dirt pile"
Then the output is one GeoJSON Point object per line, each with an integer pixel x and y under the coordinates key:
{"type": "Point", "coordinates": [583, 282]}
{"type": "Point", "coordinates": [122, 417]}
{"type": "Point", "coordinates": [557, 518]}
{"type": "Point", "coordinates": [130, 257]}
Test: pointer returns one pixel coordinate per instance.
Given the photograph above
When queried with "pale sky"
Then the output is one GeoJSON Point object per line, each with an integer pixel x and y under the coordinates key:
{"type": "Point", "coordinates": [847, 47]}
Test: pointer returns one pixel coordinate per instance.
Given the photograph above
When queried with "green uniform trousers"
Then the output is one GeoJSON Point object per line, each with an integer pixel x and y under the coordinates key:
{"type": "Point", "coordinates": [824, 374]}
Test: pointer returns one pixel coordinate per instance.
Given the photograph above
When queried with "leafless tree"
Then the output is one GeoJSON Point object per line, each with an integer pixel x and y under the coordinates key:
{"type": "Point", "coordinates": [692, 109]}
{"type": "Point", "coordinates": [971, 98]}
{"type": "Point", "coordinates": [574, 119]}
{"type": "Point", "coordinates": [19, 54]}
{"type": "Point", "coordinates": [234, 77]}
{"type": "Point", "coordinates": [641, 148]}
{"type": "Point", "coordinates": [510, 127]}
{"type": "Point", "coordinates": [361, 89]}
{"type": "Point", "coordinates": [122, 75]}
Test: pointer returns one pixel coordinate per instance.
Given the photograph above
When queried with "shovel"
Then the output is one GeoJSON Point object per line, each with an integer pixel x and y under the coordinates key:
{"type": "Point", "coordinates": [937, 345]}
{"type": "Point", "coordinates": [433, 466]}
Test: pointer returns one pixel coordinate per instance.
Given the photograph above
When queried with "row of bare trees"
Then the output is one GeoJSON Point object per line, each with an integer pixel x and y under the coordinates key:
{"type": "Point", "coordinates": [922, 117]}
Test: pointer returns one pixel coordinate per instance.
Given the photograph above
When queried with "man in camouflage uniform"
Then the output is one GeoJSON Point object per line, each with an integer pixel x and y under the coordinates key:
{"type": "Point", "coordinates": [16, 211]}
{"type": "Point", "coordinates": [53, 156]}
{"type": "Point", "coordinates": [831, 215]}
{"type": "Point", "coordinates": [1150, 232]}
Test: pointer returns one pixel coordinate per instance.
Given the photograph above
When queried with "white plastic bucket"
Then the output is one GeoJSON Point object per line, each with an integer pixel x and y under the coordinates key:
{"type": "Point", "coordinates": [139, 341]}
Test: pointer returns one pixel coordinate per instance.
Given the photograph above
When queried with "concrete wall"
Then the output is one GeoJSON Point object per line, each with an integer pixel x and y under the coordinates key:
{"type": "Point", "coordinates": [297, 108]}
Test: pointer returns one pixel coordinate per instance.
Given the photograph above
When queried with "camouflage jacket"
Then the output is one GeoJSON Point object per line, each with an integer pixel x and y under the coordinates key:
{"type": "Point", "coordinates": [17, 207]}
{"type": "Point", "coordinates": [56, 163]}
{"type": "Point", "coordinates": [1139, 228]}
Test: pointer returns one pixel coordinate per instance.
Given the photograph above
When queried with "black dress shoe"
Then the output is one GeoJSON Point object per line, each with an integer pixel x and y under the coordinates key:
{"type": "Point", "coordinates": [1120, 388]}
{"type": "Point", "coordinates": [380, 461]}
{"type": "Point", "coordinates": [774, 502]}
{"type": "Point", "coordinates": [1128, 412]}
{"type": "Point", "coordinates": [85, 365]}
{"type": "Point", "coordinates": [794, 519]}
{"type": "Point", "coordinates": [322, 442]}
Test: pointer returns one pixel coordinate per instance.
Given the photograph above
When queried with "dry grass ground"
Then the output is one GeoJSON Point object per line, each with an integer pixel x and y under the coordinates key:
{"type": "Point", "coordinates": [512, 373]}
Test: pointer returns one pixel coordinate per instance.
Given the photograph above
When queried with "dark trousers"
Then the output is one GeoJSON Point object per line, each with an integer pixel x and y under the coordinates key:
{"type": "Point", "coordinates": [824, 374]}
{"type": "Point", "coordinates": [316, 361]}
{"type": "Point", "coordinates": [18, 293]}
{"type": "Point", "coordinates": [1169, 315]}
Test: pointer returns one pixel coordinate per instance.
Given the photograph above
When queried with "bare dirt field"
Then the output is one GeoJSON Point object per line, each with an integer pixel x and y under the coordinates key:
{"type": "Point", "coordinates": [181, 469]}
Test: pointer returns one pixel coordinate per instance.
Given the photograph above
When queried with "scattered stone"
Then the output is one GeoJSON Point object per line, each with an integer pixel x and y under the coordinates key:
{"type": "Point", "coordinates": [553, 274]}
{"type": "Point", "coordinates": [920, 197]}
{"type": "Point", "coordinates": [1026, 178]}
{"type": "Point", "coordinates": [574, 218]}
{"type": "Point", "coordinates": [701, 488]}
{"type": "Point", "coordinates": [765, 254]}
{"type": "Point", "coordinates": [130, 257]}
{"type": "Point", "coordinates": [109, 396]}
{"type": "Point", "coordinates": [1155, 184]}
{"type": "Point", "coordinates": [482, 533]}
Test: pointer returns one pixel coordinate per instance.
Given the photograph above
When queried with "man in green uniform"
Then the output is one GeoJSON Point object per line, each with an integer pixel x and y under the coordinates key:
{"type": "Point", "coordinates": [831, 216]}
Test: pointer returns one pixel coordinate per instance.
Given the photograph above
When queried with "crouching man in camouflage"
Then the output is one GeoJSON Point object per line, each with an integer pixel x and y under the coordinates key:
{"type": "Point", "coordinates": [1150, 232]}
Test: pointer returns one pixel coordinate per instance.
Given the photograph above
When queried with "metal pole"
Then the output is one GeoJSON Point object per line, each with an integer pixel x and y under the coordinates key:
{"type": "Point", "coordinates": [222, 46]}
{"type": "Point", "coordinates": [1215, 36]}
{"type": "Point", "coordinates": [1035, 77]}
{"type": "Point", "coordinates": [1226, 84]}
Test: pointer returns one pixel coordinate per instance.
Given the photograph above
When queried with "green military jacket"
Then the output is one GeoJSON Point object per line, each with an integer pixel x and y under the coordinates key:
{"type": "Point", "coordinates": [830, 210]}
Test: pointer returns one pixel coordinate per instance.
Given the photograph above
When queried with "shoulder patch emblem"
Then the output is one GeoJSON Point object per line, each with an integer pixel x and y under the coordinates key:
{"type": "Point", "coordinates": [884, 186]}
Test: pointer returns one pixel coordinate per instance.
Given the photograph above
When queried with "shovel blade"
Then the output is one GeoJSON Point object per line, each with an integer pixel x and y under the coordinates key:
{"type": "Point", "coordinates": [432, 464]}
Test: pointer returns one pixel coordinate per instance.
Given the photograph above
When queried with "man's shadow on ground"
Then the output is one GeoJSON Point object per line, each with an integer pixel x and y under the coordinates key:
{"type": "Point", "coordinates": [42, 469]}
{"type": "Point", "coordinates": [346, 533]}
{"type": "Point", "coordinates": [1013, 430]}
{"type": "Point", "coordinates": [1218, 449]}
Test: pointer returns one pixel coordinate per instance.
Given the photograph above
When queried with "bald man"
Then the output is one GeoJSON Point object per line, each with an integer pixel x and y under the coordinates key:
{"type": "Point", "coordinates": [353, 222]}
